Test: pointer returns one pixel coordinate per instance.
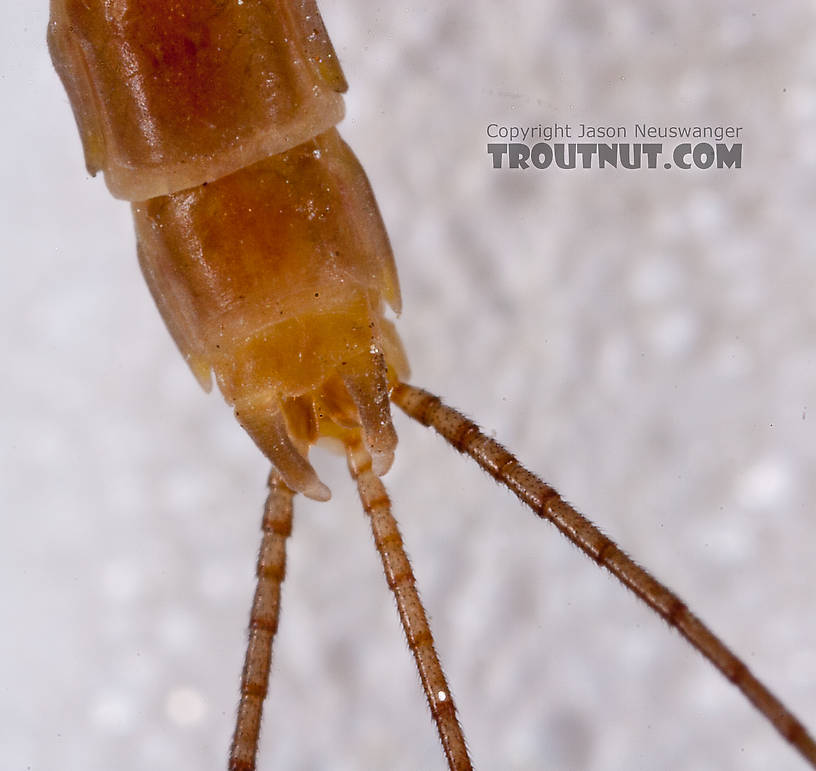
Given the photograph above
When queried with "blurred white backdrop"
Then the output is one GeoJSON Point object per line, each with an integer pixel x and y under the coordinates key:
{"type": "Point", "coordinates": [644, 340]}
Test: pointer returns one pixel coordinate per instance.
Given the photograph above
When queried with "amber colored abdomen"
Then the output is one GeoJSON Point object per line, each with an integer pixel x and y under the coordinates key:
{"type": "Point", "coordinates": [172, 94]}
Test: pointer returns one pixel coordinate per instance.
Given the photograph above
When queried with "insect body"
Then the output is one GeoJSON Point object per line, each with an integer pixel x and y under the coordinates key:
{"type": "Point", "coordinates": [304, 487]}
{"type": "Point", "coordinates": [259, 274]}
{"type": "Point", "coordinates": [266, 256]}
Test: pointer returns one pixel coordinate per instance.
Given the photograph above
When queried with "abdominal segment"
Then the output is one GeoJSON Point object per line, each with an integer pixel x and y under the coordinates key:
{"type": "Point", "coordinates": [276, 279]}
{"type": "Point", "coordinates": [168, 95]}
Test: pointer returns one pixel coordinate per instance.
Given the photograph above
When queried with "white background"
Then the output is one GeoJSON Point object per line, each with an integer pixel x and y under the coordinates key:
{"type": "Point", "coordinates": [645, 340]}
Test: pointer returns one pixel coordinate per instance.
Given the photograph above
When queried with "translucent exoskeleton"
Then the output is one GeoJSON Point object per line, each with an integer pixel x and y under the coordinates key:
{"type": "Point", "coordinates": [645, 448]}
